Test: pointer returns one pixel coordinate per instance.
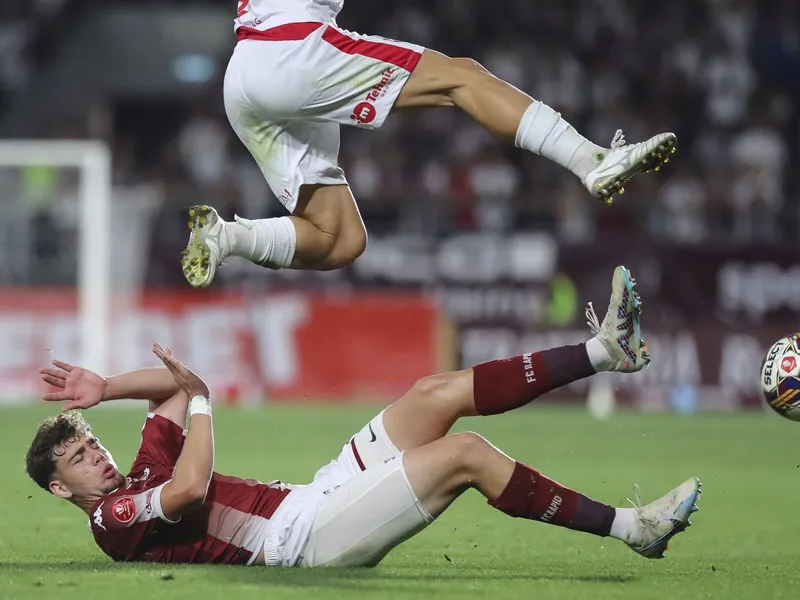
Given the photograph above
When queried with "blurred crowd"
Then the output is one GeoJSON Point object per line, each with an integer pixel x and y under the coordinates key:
{"type": "Point", "coordinates": [25, 35]}
{"type": "Point", "coordinates": [723, 74]}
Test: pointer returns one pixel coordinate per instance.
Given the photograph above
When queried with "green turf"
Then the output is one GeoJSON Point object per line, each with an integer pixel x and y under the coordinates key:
{"type": "Point", "coordinates": [741, 546]}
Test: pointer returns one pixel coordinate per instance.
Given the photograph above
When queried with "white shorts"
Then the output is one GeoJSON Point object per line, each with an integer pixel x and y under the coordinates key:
{"type": "Point", "coordinates": [356, 510]}
{"type": "Point", "coordinates": [287, 92]}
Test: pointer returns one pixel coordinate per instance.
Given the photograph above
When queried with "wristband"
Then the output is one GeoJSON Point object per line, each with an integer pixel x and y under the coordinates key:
{"type": "Point", "coordinates": [200, 405]}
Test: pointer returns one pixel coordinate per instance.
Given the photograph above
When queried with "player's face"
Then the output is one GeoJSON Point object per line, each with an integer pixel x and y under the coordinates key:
{"type": "Point", "coordinates": [85, 469]}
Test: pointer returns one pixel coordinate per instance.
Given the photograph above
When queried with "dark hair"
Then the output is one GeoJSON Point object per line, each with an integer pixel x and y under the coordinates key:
{"type": "Point", "coordinates": [52, 433]}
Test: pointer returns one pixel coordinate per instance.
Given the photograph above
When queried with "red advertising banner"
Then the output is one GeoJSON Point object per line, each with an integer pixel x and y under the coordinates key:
{"type": "Point", "coordinates": [279, 345]}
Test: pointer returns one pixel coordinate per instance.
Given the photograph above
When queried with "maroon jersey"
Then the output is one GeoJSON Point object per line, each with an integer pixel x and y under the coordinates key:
{"type": "Point", "coordinates": [129, 525]}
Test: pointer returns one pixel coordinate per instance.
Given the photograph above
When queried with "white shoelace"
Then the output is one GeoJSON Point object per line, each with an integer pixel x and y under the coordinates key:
{"type": "Point", "coordinates": [618, 140]}
{"type": "Point", "coordinates": [636, 502]}
{"type": "Point", "coordinates": [591, 319]}
{"type": "Point", "coordinates": [637, 497]}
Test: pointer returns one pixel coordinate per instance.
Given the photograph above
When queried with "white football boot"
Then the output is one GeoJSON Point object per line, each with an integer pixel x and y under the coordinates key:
{"type": "Point", "coordinates": [207, 248]}
{"type": "Point", "coordinates": [621, 330]}
{"type": "Point", "coordinates": [659, 521]}
{"type": "Point", "coordinates": [622, 162]}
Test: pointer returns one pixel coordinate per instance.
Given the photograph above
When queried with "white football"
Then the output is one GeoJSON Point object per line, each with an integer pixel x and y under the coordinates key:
{"type": "Point", "coordinates": [780, 377]}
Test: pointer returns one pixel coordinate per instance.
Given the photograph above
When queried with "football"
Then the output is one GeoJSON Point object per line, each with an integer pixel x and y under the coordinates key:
{"type": "Point", "coordinates": [780, 377]}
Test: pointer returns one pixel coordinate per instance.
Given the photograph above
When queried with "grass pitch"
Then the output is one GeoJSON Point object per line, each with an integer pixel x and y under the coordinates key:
{"type": "Point", "coordinates": [741, 545]}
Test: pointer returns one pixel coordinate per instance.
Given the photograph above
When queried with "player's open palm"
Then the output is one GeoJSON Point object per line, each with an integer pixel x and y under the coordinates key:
{"type": "Point", "coordinates": [79, 388]}
{"type": "Point", "coordinates": [186, 379]}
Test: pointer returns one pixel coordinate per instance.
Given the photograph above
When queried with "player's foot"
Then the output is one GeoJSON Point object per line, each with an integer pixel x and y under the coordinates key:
{"type": "Point", "coordinates": [207, 247]}
{"type": "Point", "coordinates": [621, 330]}
{"type": "Point", "coordinates": [623, 161]}
{"type": "Point", "coordinates": [660, 521]}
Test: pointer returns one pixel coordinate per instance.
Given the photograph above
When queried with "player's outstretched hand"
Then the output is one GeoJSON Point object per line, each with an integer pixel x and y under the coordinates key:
{"type": "Point", "coordinates": [80, 388]}
{"type": "Point", "coordinates": [186, 379]}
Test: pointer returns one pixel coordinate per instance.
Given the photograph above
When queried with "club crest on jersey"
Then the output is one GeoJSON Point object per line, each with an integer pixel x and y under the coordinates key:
{"type": "Point", "coordinates": [124, 509]}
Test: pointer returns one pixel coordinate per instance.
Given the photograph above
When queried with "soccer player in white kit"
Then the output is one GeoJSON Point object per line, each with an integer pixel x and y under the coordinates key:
{"type": "Point", "coordinates": [295, 77]}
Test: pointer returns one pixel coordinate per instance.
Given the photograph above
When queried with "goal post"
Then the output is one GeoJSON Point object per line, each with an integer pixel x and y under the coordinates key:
{"type": "Point", "coordinates": [92, 159]}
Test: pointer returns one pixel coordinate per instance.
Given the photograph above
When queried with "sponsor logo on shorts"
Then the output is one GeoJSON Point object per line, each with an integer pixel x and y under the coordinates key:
{"type": "Point", "coordinates": [552, 509]}
{"type": "Point", "coordinates": [285, 196]}
{"type": "Point", "coordinates": [124, 509]}
{"type": "Point", "coordinates": [365, 112]}
{"type": "Point", "coordinates": [331, 489]}
{"type": "Point", "coordinates": [148, 502]}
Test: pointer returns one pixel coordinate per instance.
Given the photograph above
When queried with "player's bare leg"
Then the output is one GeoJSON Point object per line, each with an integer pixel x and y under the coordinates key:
{"type": "Point", "coordinates": [325, 232]}
{"type": "Point", "coordinates": [441, 471]}
{"type": "Point", "coordinates": [532, 125]}
{"type": "Point", "coordinates": [431, 407]}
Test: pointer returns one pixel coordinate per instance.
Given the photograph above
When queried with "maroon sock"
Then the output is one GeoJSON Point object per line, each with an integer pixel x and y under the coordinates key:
{"type": "Point", "coordinates": [503, 385]}
{"type": "Point", "coordinates": [531, 495]}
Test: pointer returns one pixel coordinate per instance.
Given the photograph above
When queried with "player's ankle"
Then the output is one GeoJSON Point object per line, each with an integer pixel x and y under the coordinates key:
{"type": "Point", "coordinates": [543, 131]}
{"type": "Point", "coordinates": [240, 239]}
{"type": "Point", "coordinates": [598, 355]}
{"type": "Point", "coordinates": [586, 159]}
{"type": "Point", "coordinates": [625, 526]}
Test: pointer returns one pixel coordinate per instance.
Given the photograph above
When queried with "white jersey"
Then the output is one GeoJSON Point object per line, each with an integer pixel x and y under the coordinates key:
{"type": "Point", "coordinates": [265, 14]}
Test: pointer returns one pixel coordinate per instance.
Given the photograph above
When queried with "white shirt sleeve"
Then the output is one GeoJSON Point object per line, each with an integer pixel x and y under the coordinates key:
{"type": "Point", "coordinates": [153, 503]}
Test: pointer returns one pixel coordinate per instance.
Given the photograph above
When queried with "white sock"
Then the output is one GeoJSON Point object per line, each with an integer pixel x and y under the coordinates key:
{"type": "Point", "coordinates": [543, 131]}
{"type": "Point", "coordinates": [598, 355]}
{"type": "Point", "coordinates": [266, 242]}
{"type": "Point", "coordinates": [625, 526]}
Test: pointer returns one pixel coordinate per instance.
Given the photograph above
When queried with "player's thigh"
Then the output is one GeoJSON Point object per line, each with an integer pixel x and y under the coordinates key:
{"type": "Point", "coordinates": [300, 161]}
{"type": "Point", "coordinates": [370, 447]}
{"type": "Point", "coordinates": [435, 78]}
{"type": "Point", "coordinates": [290, 154]}
{"type": "Point", "coordinates": [361, 520]}
{"type": "Point", "coordinates": [359, 77]}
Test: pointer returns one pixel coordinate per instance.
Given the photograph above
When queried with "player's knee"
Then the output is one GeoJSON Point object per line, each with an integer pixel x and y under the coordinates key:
{"type": "Point", "coordinates": [448, 393]}
{"type": "Point", "coordinates": [432, 386]}
{"type": "Point", "coordinates": [346, 249]}
{"type": "Point", "coordinates": [468, 66]}
{"type": "Point", "coordinates": [470, 451]}
{"type": "Point", "coordinates": [466, 74]}
{"type": "Point", "coordinates": [441, 388]}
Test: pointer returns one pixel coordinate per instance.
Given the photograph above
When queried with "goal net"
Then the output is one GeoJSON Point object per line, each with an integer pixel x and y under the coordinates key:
{"type": "Point", "coordinates": [55, 266]}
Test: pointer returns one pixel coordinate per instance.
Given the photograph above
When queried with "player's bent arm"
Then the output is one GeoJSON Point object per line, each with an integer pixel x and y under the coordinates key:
{"type": "Point", "coordinates": [187, 489]}
{"type": "Point", "coordinates": [173, 408]}
{"type": "Point", "coordinates": [153, 383]}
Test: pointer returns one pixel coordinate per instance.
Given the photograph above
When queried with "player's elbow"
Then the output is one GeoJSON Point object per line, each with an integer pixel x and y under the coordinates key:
{"type": "Point", "coordinates": [195, 494]}
{"type": "Point", "coordinates": [189, 500]}
{"type": "Point", "coordinates": [190, 496]}
{"type": "Point", "coordinates": [180, 498]}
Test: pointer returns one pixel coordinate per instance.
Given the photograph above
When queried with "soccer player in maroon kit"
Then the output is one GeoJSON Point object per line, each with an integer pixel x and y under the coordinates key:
{"type": "Point", "coordinates": [392, 478]}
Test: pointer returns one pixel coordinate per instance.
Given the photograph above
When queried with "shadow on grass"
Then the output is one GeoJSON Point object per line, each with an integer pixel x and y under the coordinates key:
{"type": "Point", "coordinates": [366, 579]}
